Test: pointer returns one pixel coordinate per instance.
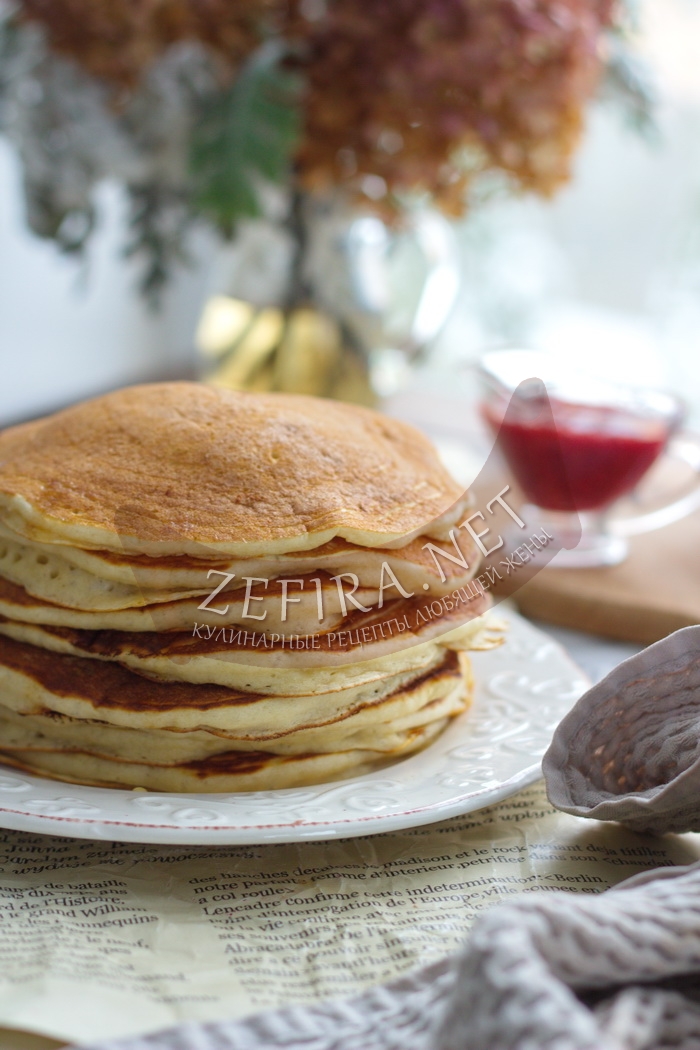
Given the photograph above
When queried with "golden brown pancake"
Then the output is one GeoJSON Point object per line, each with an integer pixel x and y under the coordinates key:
{"type": "Point", "coordinates": [372, 723]}
{"type": "Point", "coordinates": [231, 771]}
{"type": "Point", "coordinates": [118, 519]}
{"type": "Point", "coordinates": [280, 698]}
{"type": "Point", "coordinates": [412, 562]}
{"type": "Point", "coordinates": [165, 468]}
{"type": "Point", "coordinates": [248, 747]}
{"type": "Point", "coordinates": [54, 579]}
{"type": "Point", "coordinates": [361, 637]}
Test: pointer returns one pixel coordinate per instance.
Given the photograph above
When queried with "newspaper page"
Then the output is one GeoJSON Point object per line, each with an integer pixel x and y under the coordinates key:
{"type": "Point", "coordinates": [101, 939]}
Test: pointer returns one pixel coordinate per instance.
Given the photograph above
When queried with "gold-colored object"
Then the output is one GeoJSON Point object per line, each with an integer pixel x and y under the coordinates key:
{"type": "Point", "coordinates": [155, 470]}
{"type": "Point", "coordinates": [297, 351]}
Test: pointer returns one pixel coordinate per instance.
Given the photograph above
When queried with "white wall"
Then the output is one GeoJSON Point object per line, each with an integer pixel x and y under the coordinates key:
{"type": "Point", "coordinates": [70, 329]}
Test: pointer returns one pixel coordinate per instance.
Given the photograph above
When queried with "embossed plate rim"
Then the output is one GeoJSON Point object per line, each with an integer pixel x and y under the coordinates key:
{"type": "Point", "coordinates": [348, 808]}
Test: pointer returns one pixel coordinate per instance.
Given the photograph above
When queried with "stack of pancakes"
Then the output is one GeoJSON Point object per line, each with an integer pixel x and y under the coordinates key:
{"type": "Point", "coordinates": [120, 517]}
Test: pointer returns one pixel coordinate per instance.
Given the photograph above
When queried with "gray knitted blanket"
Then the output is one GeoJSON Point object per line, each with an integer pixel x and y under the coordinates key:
{"type": "Point", "coordinates": [552, 971]}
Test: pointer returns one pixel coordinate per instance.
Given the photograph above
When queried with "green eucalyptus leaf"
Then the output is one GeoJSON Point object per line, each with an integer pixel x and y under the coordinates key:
{"type": "Point", "coordinates": [246, 132]}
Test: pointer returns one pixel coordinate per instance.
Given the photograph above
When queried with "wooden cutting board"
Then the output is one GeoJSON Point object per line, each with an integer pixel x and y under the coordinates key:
{"type": "Point", "coordinates": [656, 591]}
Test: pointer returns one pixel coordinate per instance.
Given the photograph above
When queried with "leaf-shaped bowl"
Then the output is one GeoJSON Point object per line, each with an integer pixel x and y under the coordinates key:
{"type": "Point", "coordinates": [629, 750]}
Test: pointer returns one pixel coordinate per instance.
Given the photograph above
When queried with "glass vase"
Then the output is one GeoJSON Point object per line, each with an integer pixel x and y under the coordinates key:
{"type": "Point", "coordinates": [328, 299]}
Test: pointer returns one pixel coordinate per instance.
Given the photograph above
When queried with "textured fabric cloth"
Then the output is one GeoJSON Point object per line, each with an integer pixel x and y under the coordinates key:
{"type": "Point", "coordinates": [629, 750]}
{"type": "Point", "coordinates": [552, 971]}
{"type": "Point", "coordinates": [618, 971]}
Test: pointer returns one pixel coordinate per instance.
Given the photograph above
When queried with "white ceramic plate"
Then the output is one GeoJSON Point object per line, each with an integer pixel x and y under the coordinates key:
{"type": "Point", "coordinates": [524, 688]}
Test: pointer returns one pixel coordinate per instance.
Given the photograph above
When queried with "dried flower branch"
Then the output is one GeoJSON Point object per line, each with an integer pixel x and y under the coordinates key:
{"type": "Point", "coordinates": [201, 102]}
{"type": "Point", "coordinates": [119, 42]}
{"type": "Point", "coordinates": [400, 90]}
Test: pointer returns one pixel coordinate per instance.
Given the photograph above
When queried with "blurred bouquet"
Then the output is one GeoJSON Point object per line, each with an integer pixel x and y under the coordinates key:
{"type": "Point", "coordinates": [278, 123]}
{"type": "Point", "coordinates": [201, 108]}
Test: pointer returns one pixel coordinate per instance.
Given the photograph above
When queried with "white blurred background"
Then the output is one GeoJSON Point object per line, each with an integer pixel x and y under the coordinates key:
{"type": "Point", "coordinates": [608, 271]}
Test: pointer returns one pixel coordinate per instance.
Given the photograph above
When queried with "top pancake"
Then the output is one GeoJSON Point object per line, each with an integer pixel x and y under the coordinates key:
{"type": "Point", "coordinates": [169, 468]}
